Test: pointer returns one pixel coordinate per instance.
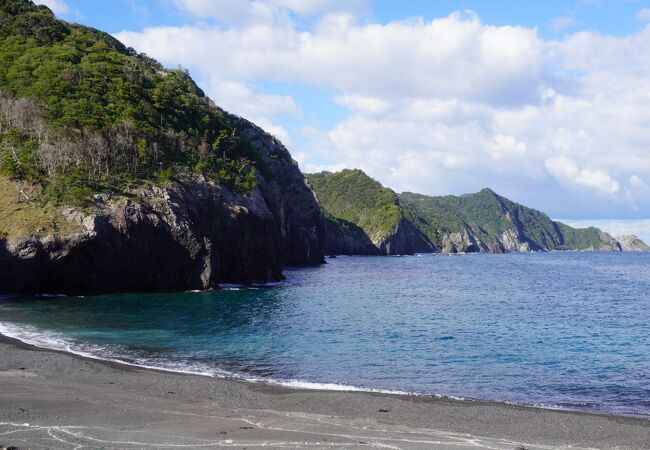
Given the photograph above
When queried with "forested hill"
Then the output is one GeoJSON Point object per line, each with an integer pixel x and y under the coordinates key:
{"type": "Point", "coordinates": [101, 143]}
{"type": "Point", "coordinates": [359, 209]}
{"type": "Point", "coordinates": [363, 217]}
{"type": "Point", "coordinates": [486, 221]}
{"type": "Point", "coordinates": [86, 113]}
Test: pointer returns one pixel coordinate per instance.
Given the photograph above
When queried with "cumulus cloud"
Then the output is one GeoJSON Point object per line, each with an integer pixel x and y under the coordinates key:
{"type": "Point", "coordinates": [568, 172]}
{"type": "Point", "coordinates": [451, 57]}
{"type": "Point", "coordinates": [240, 99]}
{"type": "Point", "coordinates": [448, 105]}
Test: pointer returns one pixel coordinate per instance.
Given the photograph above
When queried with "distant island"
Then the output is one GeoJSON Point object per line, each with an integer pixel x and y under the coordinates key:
{"type": "Point", "coordinates": [117, 174]}
{"type": "Point", "coordinates": [364, 217]}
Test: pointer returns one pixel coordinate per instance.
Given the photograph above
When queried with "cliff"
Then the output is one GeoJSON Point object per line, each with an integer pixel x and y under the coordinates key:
{"type": "Point", "coordinates": [117, 174]}
{"type": "Point", "coordinates": [488, 222]}
{"type": "Point", "coordinates": [631, 243]}
{"type": "Point", "coordinates": [363, 217]}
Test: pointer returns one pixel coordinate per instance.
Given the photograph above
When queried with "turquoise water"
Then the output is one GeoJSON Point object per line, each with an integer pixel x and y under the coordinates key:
{"type": "Point", "coordinates": [569, 330]}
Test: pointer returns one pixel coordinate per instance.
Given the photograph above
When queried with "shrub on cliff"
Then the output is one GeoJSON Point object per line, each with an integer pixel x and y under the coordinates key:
{"type": "Point", "coordinates": [79, 109]}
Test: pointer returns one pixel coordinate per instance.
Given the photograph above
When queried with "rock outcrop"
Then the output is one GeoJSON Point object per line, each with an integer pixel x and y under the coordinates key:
{"type": "Point", "coordinates": [363, 217]}
{"type": "Point", "coordinates": [358, 208]}
{"type": "Point", "coordinates": [631, 243]}
{"type": "Point", "coordinates": [170, 191]}
{"type": "Point", "coordinates": [186, 234]}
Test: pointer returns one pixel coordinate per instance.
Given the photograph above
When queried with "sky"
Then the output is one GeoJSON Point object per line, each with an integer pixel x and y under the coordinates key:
{"type": "Point", "coordinates": [547, 103]}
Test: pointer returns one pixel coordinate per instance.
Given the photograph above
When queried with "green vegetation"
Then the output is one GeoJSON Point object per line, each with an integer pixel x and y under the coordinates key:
{"type": "Point", "coordinates": [20, 218]}
{"type": "Point", "coordinates": [350, 198]}
{"type": "Point", "coordinates": [486, 214]}
{"type": "Point", "coordinates": [340, 227]}
{"type": "Point", "coordinates": [81, 113]}
{"type": "Point", "coordinates": [580, 238]}
{"type": "Point", "coordinates": [353, 196]}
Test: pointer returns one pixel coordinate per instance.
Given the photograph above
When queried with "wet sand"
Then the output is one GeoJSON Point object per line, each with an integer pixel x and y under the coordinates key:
{"type": "Point", "coordinates": [56, 400]}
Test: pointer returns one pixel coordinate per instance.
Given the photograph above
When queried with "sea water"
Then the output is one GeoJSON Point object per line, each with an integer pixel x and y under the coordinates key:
{"type": "Point", "coordinates": [561, 330]}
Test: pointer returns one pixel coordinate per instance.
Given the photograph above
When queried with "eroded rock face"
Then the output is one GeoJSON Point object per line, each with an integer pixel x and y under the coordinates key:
{"type": "Point", "coordinates": [289, 198]}
{"type": "Point", "coordinates": [189, 234]}
{"type": "Point", "coordinates": [631, 243]}
{"type": "Point", "coordinates": [172, 238]}
{"type": "Point", "coordinates": [404, 240]}
{"type": "Point", "coordinates": [462, 242]}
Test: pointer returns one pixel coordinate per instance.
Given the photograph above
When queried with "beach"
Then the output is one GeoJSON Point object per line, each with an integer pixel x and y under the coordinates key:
{"type": "Point", "coordinates": [55, 400]}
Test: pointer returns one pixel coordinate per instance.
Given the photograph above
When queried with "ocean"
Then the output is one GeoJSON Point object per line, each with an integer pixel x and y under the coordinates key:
{"type": "Point", "coordinates": [559, 330]}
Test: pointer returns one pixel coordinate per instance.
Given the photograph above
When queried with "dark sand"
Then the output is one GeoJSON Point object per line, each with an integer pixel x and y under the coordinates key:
{"type": "Point", "coordinates": [56, 400]}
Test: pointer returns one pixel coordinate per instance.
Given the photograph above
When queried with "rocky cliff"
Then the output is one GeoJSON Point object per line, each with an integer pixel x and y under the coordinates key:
{"type": "Point", "coordinates": [488, 222]}
{"type": "Point", "coordinates": [119, 174]}
{"type": "Point", "coordinates": [186, 233]}
{"type": "Point", "coordinates": [631, 243]}
{"type": "Point", "coordinates": [364, 217]}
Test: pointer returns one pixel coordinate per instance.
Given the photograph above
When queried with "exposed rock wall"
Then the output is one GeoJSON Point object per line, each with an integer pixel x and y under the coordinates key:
{"type": "Point", "coordinates": [631, 243]}
{"type": "Point", "coordinates": [404, 240]}
{"type": "Point", "coordinates": [189, 234]}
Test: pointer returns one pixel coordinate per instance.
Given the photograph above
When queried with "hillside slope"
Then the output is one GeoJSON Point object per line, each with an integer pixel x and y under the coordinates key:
{"type": "Point", "coordinates": [360, 211]}
{"type": "Point", "coordinates": [363, 217]}
{"type": "Point", "coordinates": [123, 175]}
{"type": "Point", "coordinates": [488, 222]}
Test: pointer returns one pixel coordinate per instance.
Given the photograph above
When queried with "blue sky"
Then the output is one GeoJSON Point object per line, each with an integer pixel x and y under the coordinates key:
{"type": "Point", "coordinates": [546, 102]}
{"type": "Point", "coordinates": [607, 16]}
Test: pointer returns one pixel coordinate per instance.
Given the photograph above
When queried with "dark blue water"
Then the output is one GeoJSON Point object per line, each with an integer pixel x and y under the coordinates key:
{"type": "Point", "coordinates": [560, 329]}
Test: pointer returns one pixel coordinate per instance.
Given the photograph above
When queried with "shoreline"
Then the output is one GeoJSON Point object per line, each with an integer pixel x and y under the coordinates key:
{"type": "Point", "coordinates": [307, 386]}
{"type": "Point", "coordinates": [56, 390]}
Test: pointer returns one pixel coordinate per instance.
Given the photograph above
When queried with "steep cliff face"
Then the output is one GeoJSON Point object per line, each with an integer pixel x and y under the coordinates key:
{"type": "Point", "coordinates": [363, 217]}
{"type": "Point", "coordinates": [631, 243]}
{"type": "Point", "coordinates": [291, 201]}
{"type": "Point", "coordinates": [189, 234]}
{"type": "Point", "coordinates": [346, 238]}
{"type": "Point", "coordinates": [128, 177]}
{"type": "Point", "coordinates": [178, 237]}
{"type": "Point", "coordinates": [405, 239]}
{"type": "Point", "coordinates": [487, 222]}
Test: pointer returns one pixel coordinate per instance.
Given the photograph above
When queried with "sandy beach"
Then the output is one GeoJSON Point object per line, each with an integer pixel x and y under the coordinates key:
{"type": "Point", "coordinates": [55, 400]}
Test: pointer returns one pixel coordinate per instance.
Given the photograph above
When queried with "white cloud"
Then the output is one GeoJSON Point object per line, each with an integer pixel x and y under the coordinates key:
{"type": "Point", "coordinates": [256, 11]}
{"type": "Point", "coordinates": [242, 100]}
{"type": "Point", "coordinates": [58, 7]}
{"type": "Point", "coordinates": [450, 57]}
{"type": "Point", "coordinates": [261, 109]}
{"type": "Point", "coordinates": [364, 104]}
{"type": "Point", "coordinates": [567, 172]}
{"type": "Point", "coordinates": [562, 23]}
{"type": "Point", "coordinates": [442, 106]}
{"type": "Point", "coordinates": [643, 14]}
{"type": "Point", "coordinates": [506, 146]}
